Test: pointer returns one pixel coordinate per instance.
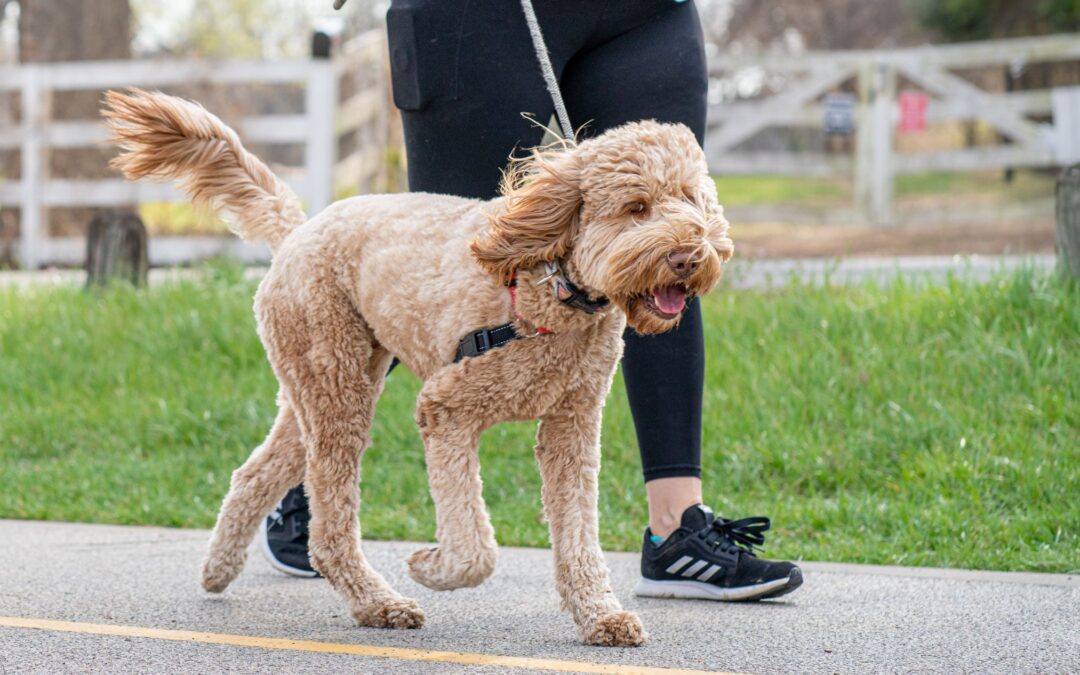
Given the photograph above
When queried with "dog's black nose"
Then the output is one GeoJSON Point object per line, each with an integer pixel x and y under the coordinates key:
{"type": "Point", "coordinates": [682, 262]}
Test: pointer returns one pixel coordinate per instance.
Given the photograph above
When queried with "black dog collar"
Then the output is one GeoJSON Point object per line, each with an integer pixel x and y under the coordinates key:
{"type": "Point", "coordinates": [569, 294]}
{"type": "Point", "coordinates": [484, 340]}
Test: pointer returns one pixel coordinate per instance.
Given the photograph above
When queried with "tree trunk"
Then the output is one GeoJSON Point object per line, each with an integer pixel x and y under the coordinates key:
{"type": "Point", "coordinates": [1068, 221]}
{"type": "Point", "coordinates": [116, 249]}
{"type": "Point", "coordinates": [73, 30]}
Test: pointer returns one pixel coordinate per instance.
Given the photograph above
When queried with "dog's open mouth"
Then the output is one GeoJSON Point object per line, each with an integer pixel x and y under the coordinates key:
{"type": "Point", "coordinates": [666, 302]}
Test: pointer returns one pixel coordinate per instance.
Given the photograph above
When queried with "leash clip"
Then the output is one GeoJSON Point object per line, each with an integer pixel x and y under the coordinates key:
{"type": "Point", "coordinates": [552, 268]}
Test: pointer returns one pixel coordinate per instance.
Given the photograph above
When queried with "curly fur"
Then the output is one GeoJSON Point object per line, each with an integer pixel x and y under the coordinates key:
{"type": "Point", "coordinates": [540, 220]}
{"type": "Point", "coordinates": [408, 275]}
{"type": "Point", "coordinates": [165, 137]}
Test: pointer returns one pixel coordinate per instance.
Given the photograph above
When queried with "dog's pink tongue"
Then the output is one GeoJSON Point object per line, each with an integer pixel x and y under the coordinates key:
{"type": "Point", "coordinates": [670, 299]}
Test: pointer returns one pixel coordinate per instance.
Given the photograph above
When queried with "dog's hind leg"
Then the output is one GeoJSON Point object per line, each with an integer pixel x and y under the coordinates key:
{"type": "Point", "coordinates": [332, 371]}
{"type": "Point", "coordinates": [467, 550]}
{"type": "Point", "coordinates": [261, 482]}
{"type": "Point", "coordinates": [568, 452]}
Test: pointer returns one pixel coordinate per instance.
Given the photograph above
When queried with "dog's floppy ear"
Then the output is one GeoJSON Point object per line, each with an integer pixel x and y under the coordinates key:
{"type": "Point", "coordinates": [539, 219]}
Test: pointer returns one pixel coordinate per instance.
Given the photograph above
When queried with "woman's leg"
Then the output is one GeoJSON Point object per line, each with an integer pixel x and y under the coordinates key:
{"type": "Point", "coordinates": [655, 71]}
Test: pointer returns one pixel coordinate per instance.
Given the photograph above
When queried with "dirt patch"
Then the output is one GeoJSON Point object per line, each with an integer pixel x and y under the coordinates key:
{"type": "Point", "coordinates": [828, 241]}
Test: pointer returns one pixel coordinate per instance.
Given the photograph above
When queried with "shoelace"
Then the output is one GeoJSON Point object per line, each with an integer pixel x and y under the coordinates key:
{"type": "Point", "coordinates": [745, 533]}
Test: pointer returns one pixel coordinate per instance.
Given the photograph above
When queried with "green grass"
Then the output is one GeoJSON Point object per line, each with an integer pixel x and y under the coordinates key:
{"type": "Point", "coordinates": [907, 425]}
{"type": "Point", "coordinates": [787, 190]}
{"type": "Point", "coordinates": [1025, 186]}
{"type": "Point", "coordinates": [836, 192]}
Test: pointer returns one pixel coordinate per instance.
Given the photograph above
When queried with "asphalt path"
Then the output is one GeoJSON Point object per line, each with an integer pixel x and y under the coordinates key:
{"type": "Point", "coordinates": [106, 599]}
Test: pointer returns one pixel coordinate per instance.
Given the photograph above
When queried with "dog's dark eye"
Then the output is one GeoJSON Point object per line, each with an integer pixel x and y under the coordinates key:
{"type": "Point", "coordinates": [636, 207]}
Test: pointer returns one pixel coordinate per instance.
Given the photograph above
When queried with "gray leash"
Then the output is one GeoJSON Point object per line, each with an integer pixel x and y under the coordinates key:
{"type": "Point", "coordinates": [546, 70]}
{"type": "Point", "coordinates": [545, 66]}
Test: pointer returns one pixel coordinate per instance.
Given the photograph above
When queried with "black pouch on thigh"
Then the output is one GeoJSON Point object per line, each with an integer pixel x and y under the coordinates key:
{"type": "Point", "coordinates": [423, 42]}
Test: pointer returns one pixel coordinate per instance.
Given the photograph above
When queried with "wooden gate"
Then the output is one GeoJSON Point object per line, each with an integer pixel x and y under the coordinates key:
{"type": "Point", "coordinates": [788, 91]}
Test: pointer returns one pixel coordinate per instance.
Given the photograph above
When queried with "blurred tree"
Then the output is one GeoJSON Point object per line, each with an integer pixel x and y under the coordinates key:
{"type": "Point", "coordinates": [73, 30]}
{"type": "Point", "coordinates": [231, 28]}
{"type": "Point", "coordinates": [982, 19]}
{"type": "Point", "coordinates": [870, 24]}
{"type": "Point", "coordinates": [235, 28]}
{"type": "Point", "coordinates": [70, 30]}
{"type": "Point", "coordinates": [1062, 14]}
{"type": "Point", "coordinates": [824, 24]}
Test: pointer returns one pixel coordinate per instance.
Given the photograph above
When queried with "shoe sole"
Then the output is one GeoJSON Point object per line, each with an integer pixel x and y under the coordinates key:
{"type": "Point", "coordinates": [794, 581]}
{"type": "Point", "coordinates": [696, 590]}
{"type": "Point", "coordinates": [264, 545]}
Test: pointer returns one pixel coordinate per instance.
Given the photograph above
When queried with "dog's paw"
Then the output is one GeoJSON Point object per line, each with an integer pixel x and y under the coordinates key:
{"type": "Point", "coordinates": [618, 629]}
{"type": "Point", "coordinates": [218, 573]}
{"type": "Point", "coordinates": [440, 571]}
{"type": "Point", "coordinates": [391, 613]}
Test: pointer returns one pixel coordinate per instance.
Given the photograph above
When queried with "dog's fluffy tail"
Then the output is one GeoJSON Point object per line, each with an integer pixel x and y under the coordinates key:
{"type": "Point", "coordinates": [165, 137]}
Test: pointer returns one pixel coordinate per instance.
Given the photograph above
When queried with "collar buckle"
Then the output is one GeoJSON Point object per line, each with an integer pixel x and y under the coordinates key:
{"type": "Point", "coordinates": [484, 340]}
{"type": "Point", "coordinates": [567, 293]}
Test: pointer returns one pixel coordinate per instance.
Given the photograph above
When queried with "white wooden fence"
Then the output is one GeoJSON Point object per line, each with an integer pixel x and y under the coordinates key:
{"type": "Point", "coordinates": [803, 80]}
{"type": "Point", "coordinates": [318, 128]}
{"type": "Point", "coordinates": [792, 97]}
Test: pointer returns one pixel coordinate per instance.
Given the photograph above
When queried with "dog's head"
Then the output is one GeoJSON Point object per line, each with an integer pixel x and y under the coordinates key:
{"type": "Point", "coordinates": [632, 214]}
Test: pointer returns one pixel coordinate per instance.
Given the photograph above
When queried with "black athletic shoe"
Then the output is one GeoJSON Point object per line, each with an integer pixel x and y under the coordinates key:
{"type": "Point", "coordinates": [284, 535]}
{"type": "Point", "coordinates": [713, 559]}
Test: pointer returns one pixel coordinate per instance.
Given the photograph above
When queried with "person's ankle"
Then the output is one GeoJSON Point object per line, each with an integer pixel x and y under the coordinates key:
{"type": "Point", "coordinates": [662, 525]}
{"type": "Point", "coordinates": [668, 499]}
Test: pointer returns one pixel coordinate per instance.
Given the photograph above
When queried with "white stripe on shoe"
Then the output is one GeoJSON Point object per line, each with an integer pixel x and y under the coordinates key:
{"type": "Point", "coordinates": [694, 569]}
{"type": "Point", "coordinates": [708, 574]}
{"type": "Point", "coordinates": [679, 564]}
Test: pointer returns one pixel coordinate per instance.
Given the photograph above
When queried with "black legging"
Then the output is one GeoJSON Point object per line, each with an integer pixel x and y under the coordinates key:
{"type": "Point", "coordinates": [464, 71]}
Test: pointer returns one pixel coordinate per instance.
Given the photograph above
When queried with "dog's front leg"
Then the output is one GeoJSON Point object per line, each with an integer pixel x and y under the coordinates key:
{"type": "Point", "coordinates": [467, 550]}
{"type": "Point", "coordinates": [568, 452]}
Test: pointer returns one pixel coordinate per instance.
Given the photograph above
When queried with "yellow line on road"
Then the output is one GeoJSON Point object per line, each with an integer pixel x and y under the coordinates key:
{"type": "Point", "coordinates": [398, 653]}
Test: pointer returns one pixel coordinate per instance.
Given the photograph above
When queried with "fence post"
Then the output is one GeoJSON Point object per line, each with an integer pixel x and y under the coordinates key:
{"type": "Point", "coordinates": [320, 151]}
{"type": "Point", "coordinates": [32, 168]}
{"type": "Point", "coordinates": [864, 139]}
{"type": "Point", "coordinates": [1068, 221]}
{"type": "Point", "coordinates": [874, 141]}
{"type": "Point", "coordinates": [884, 126]}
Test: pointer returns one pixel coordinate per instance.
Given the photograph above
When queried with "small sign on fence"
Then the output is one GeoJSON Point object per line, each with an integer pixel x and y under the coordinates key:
{"type": "Point", "coordinates": [839, 114]}
{"type": "Point", "coordinates": [913, 105]}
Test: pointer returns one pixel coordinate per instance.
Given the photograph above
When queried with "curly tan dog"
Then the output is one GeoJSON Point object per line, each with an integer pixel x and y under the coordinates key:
{"type": "Point", "coordinates": [630, 216]}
